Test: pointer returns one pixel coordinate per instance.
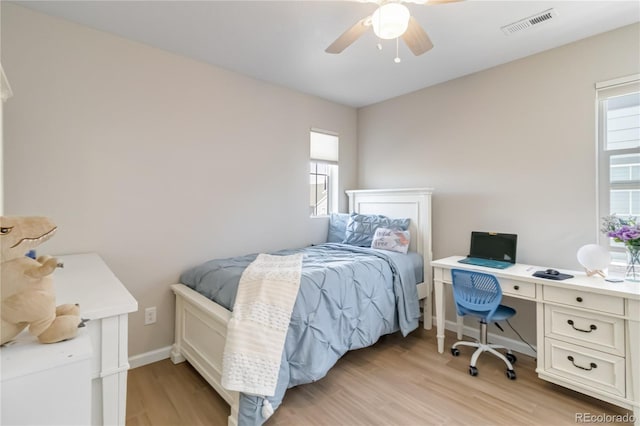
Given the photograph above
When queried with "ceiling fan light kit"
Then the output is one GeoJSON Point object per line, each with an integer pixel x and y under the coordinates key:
{"type": "Point", "coordinates": [390, 20]}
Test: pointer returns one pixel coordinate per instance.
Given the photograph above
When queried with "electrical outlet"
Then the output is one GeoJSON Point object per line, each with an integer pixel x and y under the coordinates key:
{"type": "Point", "coordinates": [150, 315]}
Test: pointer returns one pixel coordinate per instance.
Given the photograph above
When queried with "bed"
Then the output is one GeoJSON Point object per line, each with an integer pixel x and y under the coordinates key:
{"type": "Point", "coordinates": [201, 324]}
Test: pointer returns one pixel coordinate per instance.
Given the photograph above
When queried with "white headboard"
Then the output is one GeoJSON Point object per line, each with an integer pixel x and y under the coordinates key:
{"type": "Point", "coordinates": [414, 203]}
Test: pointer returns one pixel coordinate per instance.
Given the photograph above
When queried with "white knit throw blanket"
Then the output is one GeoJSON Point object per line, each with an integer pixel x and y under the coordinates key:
{"type": "Point", "coordinates": [259, 322]}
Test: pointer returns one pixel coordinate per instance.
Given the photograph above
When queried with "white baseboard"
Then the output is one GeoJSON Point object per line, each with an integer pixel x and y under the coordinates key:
{"type": "Point", "coordinates": [149, 357]}
{"type": "Point", "coordinates": [474, 332]}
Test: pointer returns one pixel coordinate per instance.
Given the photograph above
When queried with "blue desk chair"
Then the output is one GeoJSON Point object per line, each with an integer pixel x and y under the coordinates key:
{"type": "Point", "coordinates": [479, 294]}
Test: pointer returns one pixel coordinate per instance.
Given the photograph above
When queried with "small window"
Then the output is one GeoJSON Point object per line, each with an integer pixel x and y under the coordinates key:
{"type": "Point", "coordinates": [323, 173]}
{"type": "Point", "coordinates": [618, 153]}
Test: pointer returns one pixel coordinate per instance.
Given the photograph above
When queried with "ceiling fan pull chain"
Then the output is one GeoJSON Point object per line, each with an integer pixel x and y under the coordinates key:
{"type": "Point", "coordinates": [397, 59]}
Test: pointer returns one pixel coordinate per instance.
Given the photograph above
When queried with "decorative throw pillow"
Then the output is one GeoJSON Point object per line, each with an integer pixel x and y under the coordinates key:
{"type": "Point", "coordinates": [361, 227]}
{"type": "Point", "coordinates": [391, 239]}
{"type": "Point", "coordinates": [337, 227]}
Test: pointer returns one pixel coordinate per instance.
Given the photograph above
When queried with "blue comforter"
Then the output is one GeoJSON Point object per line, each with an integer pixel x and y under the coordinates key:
{"type": "Point", "coordinates": [349, 296]}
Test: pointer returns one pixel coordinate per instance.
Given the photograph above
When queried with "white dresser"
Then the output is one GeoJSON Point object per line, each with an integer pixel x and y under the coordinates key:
{"type": "Point", "coordinates": [103, 299]}
{"type": "Point", "coordinates": [45, 384]}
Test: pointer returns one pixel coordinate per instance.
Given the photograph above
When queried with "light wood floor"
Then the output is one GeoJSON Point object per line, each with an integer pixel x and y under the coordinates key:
{"type": "Point", "coordinates": [398, 381]}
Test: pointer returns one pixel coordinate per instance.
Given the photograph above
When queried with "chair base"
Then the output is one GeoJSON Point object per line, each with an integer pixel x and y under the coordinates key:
{"type": "Point", "coordinates": [482, 346]}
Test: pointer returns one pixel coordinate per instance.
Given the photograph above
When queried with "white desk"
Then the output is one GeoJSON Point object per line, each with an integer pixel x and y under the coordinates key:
{"type": "Point", "coordinates": [87, 280]}
{"type": "Point", "coordinates": [588, 330]}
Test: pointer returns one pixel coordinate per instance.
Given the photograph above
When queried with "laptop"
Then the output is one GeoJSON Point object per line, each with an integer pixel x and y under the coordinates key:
{"type": "Point", "coordinates": [492, 250]}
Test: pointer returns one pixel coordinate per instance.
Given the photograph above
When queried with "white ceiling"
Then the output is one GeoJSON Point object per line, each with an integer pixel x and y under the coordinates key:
{"type": "Point", "coordinates": [283, 42]}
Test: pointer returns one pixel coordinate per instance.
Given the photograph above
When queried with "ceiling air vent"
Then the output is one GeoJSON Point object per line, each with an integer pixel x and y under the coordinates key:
{"type": "Point", "coordinates": [529, 22]}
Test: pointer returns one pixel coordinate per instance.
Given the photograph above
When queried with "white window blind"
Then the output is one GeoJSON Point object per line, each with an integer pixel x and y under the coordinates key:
{"type": "Point", "coordinates": [618, 152]}
{"type": "Point", "coordinates": [324, 147]}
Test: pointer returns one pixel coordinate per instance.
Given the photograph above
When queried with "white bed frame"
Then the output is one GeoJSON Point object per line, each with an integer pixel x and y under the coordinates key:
{"type": "Point", "coordinates": [201, 324]}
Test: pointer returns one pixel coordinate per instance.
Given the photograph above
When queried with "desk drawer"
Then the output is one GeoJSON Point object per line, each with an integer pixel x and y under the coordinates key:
{"type": "Point", "coordinates": [593, 301]}
{"type": "Point", "coordinates": [589, 329]}
{"type": "Point", "coordinates": [509, 287]}
{"type": "Point", "coordinates": [598, 370]}
{"type": "Point", "coordinates": [517, 288]}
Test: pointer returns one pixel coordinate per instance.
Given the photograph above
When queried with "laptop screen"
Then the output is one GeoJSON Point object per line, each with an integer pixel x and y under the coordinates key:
{"type": "Point", "coordinates": [494, 246]}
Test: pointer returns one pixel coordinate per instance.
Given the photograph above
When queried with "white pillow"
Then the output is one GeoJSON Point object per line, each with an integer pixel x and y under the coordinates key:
{"type": "Point", "coordinates": [391, 239]}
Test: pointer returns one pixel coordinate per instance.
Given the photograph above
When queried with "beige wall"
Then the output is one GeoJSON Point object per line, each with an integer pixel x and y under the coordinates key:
{"type": "Point", "coordinates": [155, 161]}
{"type": "Point", "coordinates": [158, 162]}
{"type": "Point", "coordinates": [509, 149]}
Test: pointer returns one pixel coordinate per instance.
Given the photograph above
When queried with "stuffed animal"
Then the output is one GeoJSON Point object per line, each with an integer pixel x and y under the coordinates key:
{"type": "Point", "coordinates": [27, 291]}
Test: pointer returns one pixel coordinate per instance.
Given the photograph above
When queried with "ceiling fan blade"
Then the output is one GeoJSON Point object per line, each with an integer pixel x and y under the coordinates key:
{"type": "Point", "coordinates": [416, 39]}
{"type": "Point", "coordinates": [349, 36]}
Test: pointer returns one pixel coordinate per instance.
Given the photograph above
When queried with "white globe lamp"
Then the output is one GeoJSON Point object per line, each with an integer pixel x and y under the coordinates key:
{"type": "Point", "coordinates": [594, 259]}
{"type": "Point", "coordinates": [390, 20]}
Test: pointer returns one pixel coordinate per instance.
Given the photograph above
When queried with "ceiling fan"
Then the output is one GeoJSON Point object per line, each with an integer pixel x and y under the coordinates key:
{"type": "Point", "coordinates": [390, 20]}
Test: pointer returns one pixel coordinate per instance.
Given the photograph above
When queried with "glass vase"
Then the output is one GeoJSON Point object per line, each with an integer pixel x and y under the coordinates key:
{"type": "Point", "coordinates": [633, 263]}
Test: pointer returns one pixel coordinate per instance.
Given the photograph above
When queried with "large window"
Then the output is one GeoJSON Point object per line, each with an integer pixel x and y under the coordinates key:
{"type": "Point", "coordinates": [619, 152]}
{"type": "Point", "coordinates": [323, 173]}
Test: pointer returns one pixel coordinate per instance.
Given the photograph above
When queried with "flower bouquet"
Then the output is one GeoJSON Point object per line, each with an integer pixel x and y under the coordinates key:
{"type": "Point", "coordinates": [626, 231]}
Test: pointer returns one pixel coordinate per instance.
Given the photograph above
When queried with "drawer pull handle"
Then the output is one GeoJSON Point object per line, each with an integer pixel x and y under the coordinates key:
{"type": "Point", "coordinates": [516, 287]}
{"type": "Point", "coordinates": [591, 327]}
{"type": "Point", "coordinates": [579, 299]}
{"type": "Point", "coordinates": [591, 365]}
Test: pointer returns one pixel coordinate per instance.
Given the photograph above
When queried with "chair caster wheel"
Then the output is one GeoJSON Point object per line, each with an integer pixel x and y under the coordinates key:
{"type": "Point", "coordinates": [511, 374]}
{"type": "Point", "coordinates": [455, 351]}
{"type": "Point", "coordinates": [512, 358]}
{"type": "Point", "coordinates": [473, 371]}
